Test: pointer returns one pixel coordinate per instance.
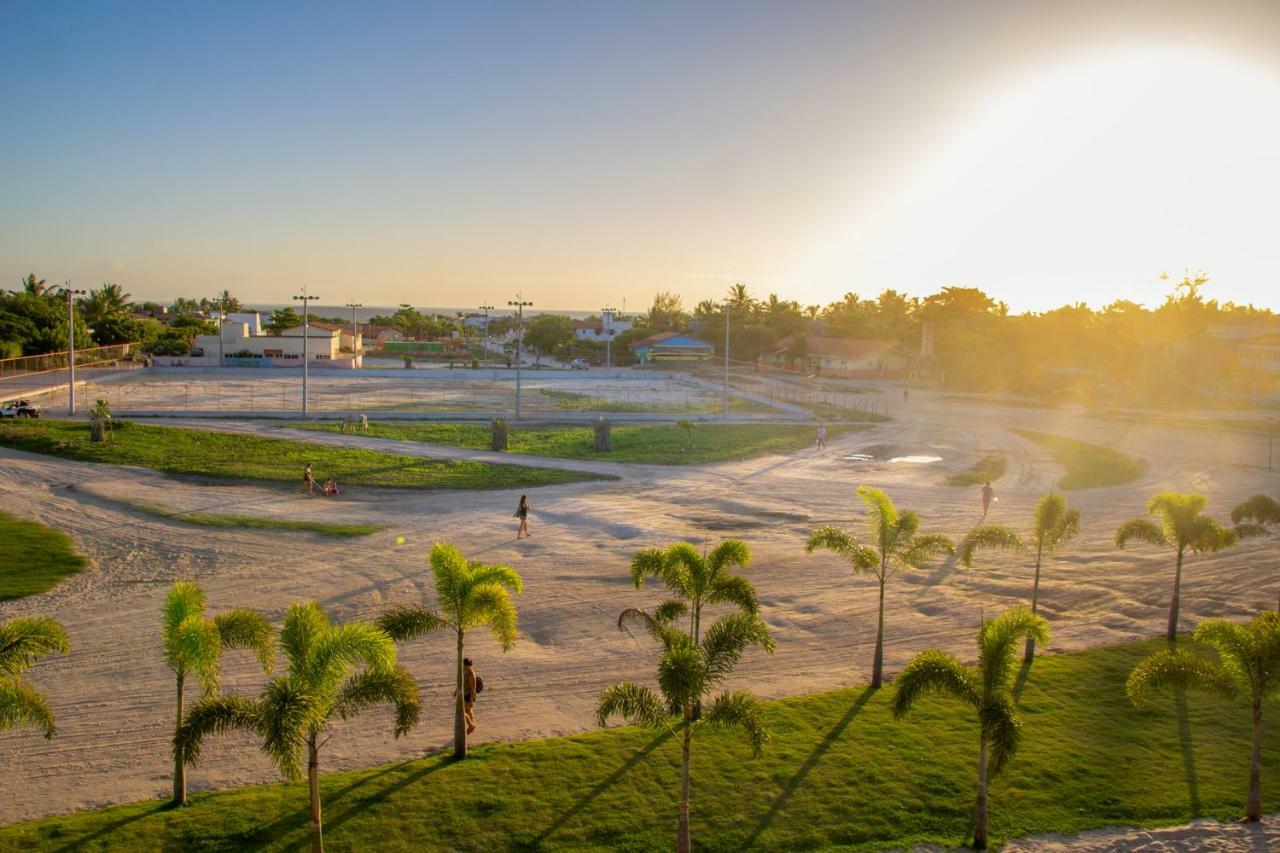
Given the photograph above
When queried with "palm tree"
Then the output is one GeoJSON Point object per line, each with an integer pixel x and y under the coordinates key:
{"type": "Point", "coordinates": [688, 672]}
{"type": "Point", "coordinates": [472, 595]}
{"type": "Point", "coordinates": [985, 687]}
{"type": "Point", "coordinates": [895, 544]}
{"type": "Point", "coordinates": [34, 286]}
{"type": "Point", "coordinates": [193, 645]}
{"type": "Point", "coordinates": [1248, 662]}
{"type": "Point", "coordinates": [1254, 515]}
{"type": "Point", "coordinates": [698, 579]}
{"type": "Point", "coordinates": [1183, 526]}
{"type": "Point", "coordinates": [23, 639]}
{"type": "Point", "coordinates": [107, 302]}
{"type": "Point", "coordinates": [295, 709]}
{"type": "Point", "coordinates": [1055, 526]}
{"type": "Point", "coordinates": [739, 300]}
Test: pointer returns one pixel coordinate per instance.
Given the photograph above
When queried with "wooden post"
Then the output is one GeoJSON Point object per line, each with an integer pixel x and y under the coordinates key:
{"type": "Point", "coordinates": [604, 438]}
{"type": "Point", "coordinates": [498, 439]}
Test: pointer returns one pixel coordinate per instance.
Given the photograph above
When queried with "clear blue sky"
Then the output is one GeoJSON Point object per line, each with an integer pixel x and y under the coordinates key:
{"type": "Point", "coordinates": [588, 152]}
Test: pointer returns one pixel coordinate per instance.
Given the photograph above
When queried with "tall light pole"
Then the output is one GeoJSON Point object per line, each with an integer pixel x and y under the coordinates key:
{"type": "Point", "coordinates": [606, 324]}
{"type": "Point", "coordinates": [222, 323]}
{"type": "Point", "coordinates": [486, 309]}
{"type": "Point", "coordinates": [355, 329]}
{"type": "Point", "coordinates": [306, 300]}
{"type": "Point", "coordinates": [71, 345]}
{"type": "Point", "coordinates": [519, 304]}
{"type": "Point", "coordinates": [726, 361]}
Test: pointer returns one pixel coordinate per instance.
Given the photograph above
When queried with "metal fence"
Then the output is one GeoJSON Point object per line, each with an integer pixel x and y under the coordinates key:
{"type": "Point", "coordinates": [29, 373]}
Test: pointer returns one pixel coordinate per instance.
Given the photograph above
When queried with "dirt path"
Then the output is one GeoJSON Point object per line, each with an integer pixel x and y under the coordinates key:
{"type": "Point", "coordinates": [113, 695]}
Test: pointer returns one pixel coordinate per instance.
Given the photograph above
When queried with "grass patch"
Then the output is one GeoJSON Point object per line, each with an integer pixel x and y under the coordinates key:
{"type": "Point", "coordinates": [250, 522]}
{"type": "Point", "coordinates": [988, 468]}
{"type": "Point", "coordinates": [576, 402]}
{"type": "Point", "coordinates": [175, 450]}
{"type": "Point", "coordinates": [36, 558]}
{"type": "Point", "coordinates": [839, 773]}
{"type": "Point", "coordinates": [1087, 465]}
{"type": "Point", "coordinates": [655, 444]}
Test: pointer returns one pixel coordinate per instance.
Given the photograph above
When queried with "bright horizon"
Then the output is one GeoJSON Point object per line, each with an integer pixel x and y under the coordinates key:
{"type": "Point", "coordinates": [583, 156]}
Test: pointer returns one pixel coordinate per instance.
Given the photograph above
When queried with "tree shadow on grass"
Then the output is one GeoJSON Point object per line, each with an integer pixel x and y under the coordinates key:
{"type": "Point", "coordinates": [1188, 753]}
{"type": "Point", "coordinates": [608, 782]}
{"type": "Point", "coordinates": [105, 830]}
{"type": "Point", "coordinates": [794, 783]}
{"type": "Point", "coordinates": [1020, 682]}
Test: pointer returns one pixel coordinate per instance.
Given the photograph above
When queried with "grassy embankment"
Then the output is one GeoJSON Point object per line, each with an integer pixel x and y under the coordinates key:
{"type": "Point", "coordinates": [249, 522]}
{"type": "Point", "coordinates": [988, 468]}
{"type": "Point", "coordinates": [35, 558]}
{"type": "Point", "coordinates": [660, 444]}
{"type": "Point", "coordinates": [175, 450]}
{"type": "Point", "coordinates": [1087, 465]}
{"type": "Point", "coordinates": [840, 772]}
{"type": "Point", "coordinates": [577, 402]}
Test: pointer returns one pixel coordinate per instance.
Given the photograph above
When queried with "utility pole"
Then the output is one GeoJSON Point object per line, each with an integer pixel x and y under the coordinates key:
{"type": "Point", "coordinates": [306, 301]}
{"type": "Point", "coordinates": [486, 309]}
{"type": "Point", "coordinates": [71, 345]}
{"type": "Point", "coordinates": [726, 361]}
{"type": "Point", "coordinates": [222, 323]}
{"type": "Point", "coordinates": [355, 328]}
{"type": "Point", "coordinates": [606, 323]}
{"type": "Point", "coordinates": [519, 304]}
{"type": "Point", "coordinates": [1271, 439]}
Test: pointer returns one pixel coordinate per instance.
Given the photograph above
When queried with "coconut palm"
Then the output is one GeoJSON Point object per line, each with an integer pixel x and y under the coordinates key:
{"type": "Point", "coordinates": [697, 579]}
{"type": "Point", "coordinates": [472, 595]}
{"type": "Point", "coordinates": [193, 645]}
{"type": "Point", "coordinates": [1183, 527]}
{"type": "Point", "coordinates": [895, 543]}
{"type": "Point", "coordinates": [34, 286]}
{"type": "Point", "coordinates": [106, 303]}
{"type": "Point", "coordinates": [23, 640]}
{"type": "Point", "coordinates": [334, 670]}
{"type": "Point", "coordinates": [1055, 526]}
{"type": "Point", "coordinates": [688, 672]}
{"type": "Point", "coordinates": [1248, 662]}
{"type": "Point", "coordinates": [985, 687]}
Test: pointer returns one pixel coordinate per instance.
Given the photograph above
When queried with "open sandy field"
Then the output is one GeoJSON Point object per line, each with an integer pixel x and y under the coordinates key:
{"type": "Point", "coordinates": [114, 697]}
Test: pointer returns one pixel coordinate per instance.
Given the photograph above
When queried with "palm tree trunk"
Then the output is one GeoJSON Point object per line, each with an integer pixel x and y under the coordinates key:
{"type": "Point", "coordinates": [179, 767]}
{"type": "Point", "coordinates": [459, 711]}
{"type": "Point", "coordinates": [980, 810]}
{"type": "Point", "coordinates": [313, 780]}
{"type": "Point", "coordinates": [877, 663]}
{"type": "Point", "coordinates": [1030, 654]}
{"type": "Point", "coordinates": [1177, 594]}
{"type": "Point", "coordinates": [683, 843]}
{"type": "Point", "coordinates": [1253, 809]}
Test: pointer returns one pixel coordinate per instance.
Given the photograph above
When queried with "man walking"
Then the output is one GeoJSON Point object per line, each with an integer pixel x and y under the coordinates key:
{"type": "Point", "coordinates": [988, 495]}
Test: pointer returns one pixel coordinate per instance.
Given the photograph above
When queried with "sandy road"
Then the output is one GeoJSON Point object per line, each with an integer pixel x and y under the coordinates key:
{"type": "Point", "coordinates": [114, 697]}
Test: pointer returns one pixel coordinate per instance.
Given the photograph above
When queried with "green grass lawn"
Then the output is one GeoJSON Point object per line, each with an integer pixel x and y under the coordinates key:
{"type": "Point", "coordinates": [175, 450]}
{"type": "Point", "coordinates": [576, 402]}
{"type": "Point", "coordinates": [988, 468]}
{"type": "Point", "coordinates": [662, 444]}
{"type": "Point", "coordinates": [35, 557]}
{"type": "Point", "coordinates": [1087, 465]}
{"type": "Point", "coordinates": [840, 773]}
{"type": "Point", "coordinates": [249, 522]}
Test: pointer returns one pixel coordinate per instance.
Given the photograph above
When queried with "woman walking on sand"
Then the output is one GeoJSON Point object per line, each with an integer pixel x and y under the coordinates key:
{"type": "Point", "coordinates": [522, 513]}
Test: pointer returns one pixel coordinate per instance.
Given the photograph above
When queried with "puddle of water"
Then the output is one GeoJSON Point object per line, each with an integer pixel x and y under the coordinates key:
{"type": "Point", "coordinates": [917, 460]}
{"type": "Point", "coordinates": [860, 457]}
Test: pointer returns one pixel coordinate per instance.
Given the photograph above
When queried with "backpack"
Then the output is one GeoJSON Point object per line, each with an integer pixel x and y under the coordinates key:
{"type": "Point", "coordinates": [479, 685]}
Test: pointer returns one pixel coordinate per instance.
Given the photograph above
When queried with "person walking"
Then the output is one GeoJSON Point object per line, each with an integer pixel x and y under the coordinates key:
{"type": "Point", "coordinates": [988, 495]}
{"type": "Point", "coordinates": [469, 693]}
{"type": "Point", "coordinates": [308, 480]}
{"type": "Point", "coordinates": [522, 513]}
{"type": "Point", "coordinates": [822, 436]}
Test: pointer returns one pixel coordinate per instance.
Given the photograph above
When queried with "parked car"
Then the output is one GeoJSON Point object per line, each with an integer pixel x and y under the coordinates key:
{"type": "Point", "coordinates": [19, 409]}
{"type": "Point", "coordinates": [579, 364]}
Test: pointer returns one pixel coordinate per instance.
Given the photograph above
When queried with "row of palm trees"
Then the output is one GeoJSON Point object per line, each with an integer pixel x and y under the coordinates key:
{"type": "Point", "coordinates": [336, 671]}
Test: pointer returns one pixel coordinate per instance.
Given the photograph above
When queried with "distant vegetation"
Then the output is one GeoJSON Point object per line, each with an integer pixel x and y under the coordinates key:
{"type": "Point", "coordinates": [36, 558]}
{"type": "Point", "coordinates": [1087, 465]}
{"type": "Point", "coordinates": [253, 522]}
{"type": "Point", "coordinates": [988, 468]}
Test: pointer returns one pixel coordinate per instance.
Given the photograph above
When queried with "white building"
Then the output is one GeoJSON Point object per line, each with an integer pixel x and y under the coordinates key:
{"type": "Point", "coordinates": [607, 327]}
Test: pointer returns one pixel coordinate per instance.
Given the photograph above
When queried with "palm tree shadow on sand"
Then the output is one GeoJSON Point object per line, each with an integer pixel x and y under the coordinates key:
{"type": "Point", "coordinates": [794, 783]}
{"type": "Point", "coordinates": [1188, 753]}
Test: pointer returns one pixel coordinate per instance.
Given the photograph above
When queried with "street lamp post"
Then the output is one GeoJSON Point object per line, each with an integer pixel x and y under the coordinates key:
{"type": "Point", "coordinates": [222, 323]}
{"type": "Point", "coordinates": [485, 352]}
{"type": "Point", "coordinates": [71, 346]}
{"type": "Point", "coordinates": [606, 322]}
{"type": "Point", "coordinates": [355, 328]}
{"type": "Point", "coordinates": [519, 304]}
{"type": "Point", "coordinates": [726, 361]}
{"type": "Point", "coordinates": [306, 300]}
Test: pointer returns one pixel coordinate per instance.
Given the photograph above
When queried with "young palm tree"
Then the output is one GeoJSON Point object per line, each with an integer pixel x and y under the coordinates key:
{"type": "Point", "coordinates": [1183, 527]}
{"type": "Point", "coordinates": [23, 639]}
{"type": "Point", "coordinates": [1254, 515]}
{"type": "Point", "coordinates": [698, 579]}
{"type": "Point", "coordinates": [895, 542]}
{"type": "Point", "coordinates": [193, 645]}
{"type": "Point", "coordinates": [1248, 662]}
{"type": "Point", "coordinates": [1055, 526]}
{"type": "Point", "coordinates": [985, 687]}
{"type": "Point", "coordinates": [295, 708]}
{"type": "Point", "coordinates": [472, 595]}
{"type": "Point", "coordinates": [688, 672]}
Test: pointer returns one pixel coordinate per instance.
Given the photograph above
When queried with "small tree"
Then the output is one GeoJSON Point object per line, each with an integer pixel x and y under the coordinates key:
{"type": "Point", "coordinates": [294, 710]}
{"type": "Point", "coordinates": [1248, 662]}
{"type": "Point", "coordinates": [1055, 526]}
{"type": "Point", "coordinates": [472, 595]}
{"type": "Point", "coordinates": [193, 645]}
{"type": "Point", "coordinates": [895, 543]}
{"type": "Point", "coordinates": [1183, 527]}
{"type": "Point", "coordinates": [985, 687]}
{"type": "Point", "coordinates": [23, 640]}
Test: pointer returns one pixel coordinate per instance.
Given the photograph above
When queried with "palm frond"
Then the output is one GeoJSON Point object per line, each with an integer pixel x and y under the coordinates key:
{"type": "Point", "coordinates": [1001, 726]}
{"type": "Point", "coordinates": [669, 611]}
{"type": "Point", "coordinates": [988, 536]}
{"type": "Point", "coordinates": [681, 676]}
{"type": "Point", "coordinates": [1176, 669]}
{"type": "Point", "coordinates": [496, 573]}
{"type": "Point", "coordinates": [450, 571]}
{"type": "Point", "coordinates": [22, 705]}
{"type": "Point", "coordinates": [1236, 648]}
{"type": "Point", "coordinates": [24, 639]}
{"type": "Point", "coordinates": [345, 646]}
{"type": "Point", "coordinates": [407, 622]}
{"type": "Point", "coordinates": [685, 571]}
{"type": "Point", "coordinates": [304, 623]}
{"type": "Point", "coordinates": [247, 629]}
{"type": "Point", "coordinates": [726, 640]}
{"type": "Point", "coordinates": [1245, 530]}
{"type": "Point", "coordinates": [490, 604]}
{"type": "Point", "coordinates": [213, 715]}
{"type": "Point", "coordinates": [921, 549]}
{"type": "Point", "coordinates": [933, 671]}
{"type": "Point", "coordinates": [1142, 530]}
{"type": "Point", "coordinates": [860, 558]}
{"type": "Point", "coordinates": [185, 599]}
{"type": "Point", "coordinates": [288, 714]}
{"type": "Point", "coordinates": [1207, 535]}
{"type": "Point", "coordinates": [647, 563]}
{"type": "Point", "coordinates": [729, 554]}
{"type": "Point", "coordinates": [633, 703]}
{"type": "Point", "coordinates": [1260, 509]}
{"type": "Point", "coordinates": [741, 710]}
{"type": "Point", "coordinates": [881, 513]}
{"type": "Point", "coordinates": [735, 590]}
{"type": "Point", "coordinates": [196, 647]}
{"type": "Point", "coordinates": [997, 640]}
{"type": "Point", "coordinates": [366, 689]}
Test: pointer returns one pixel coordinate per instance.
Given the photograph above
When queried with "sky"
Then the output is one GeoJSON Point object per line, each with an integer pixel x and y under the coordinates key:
{"type": "Point", "coordinates": [587, 154]}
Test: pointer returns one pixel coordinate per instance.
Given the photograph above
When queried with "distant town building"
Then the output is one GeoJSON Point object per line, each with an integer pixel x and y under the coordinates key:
{"type": "Point", "coordinates": [671, 346]}
{"type": "Point", "coordinates": [607, 327]}
{"type": "Point", "coordinates": [857, 358]}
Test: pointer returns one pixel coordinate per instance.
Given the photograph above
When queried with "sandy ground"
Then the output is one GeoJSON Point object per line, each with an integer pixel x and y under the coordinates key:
{"type": "Point", "coordinates": [114, 696]}
{"type": "Point", "coordinates": [1202, 836]}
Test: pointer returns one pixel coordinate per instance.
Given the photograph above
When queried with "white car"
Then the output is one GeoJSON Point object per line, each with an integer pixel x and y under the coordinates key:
{"type": "Point", "coordinates": [19, 409]}
{"type": "Point", "coordinates": [579, 364]}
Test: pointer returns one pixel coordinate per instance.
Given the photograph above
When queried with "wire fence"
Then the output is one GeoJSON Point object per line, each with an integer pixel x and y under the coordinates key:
{"type": "Point", "coordinates": [29, 373]}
